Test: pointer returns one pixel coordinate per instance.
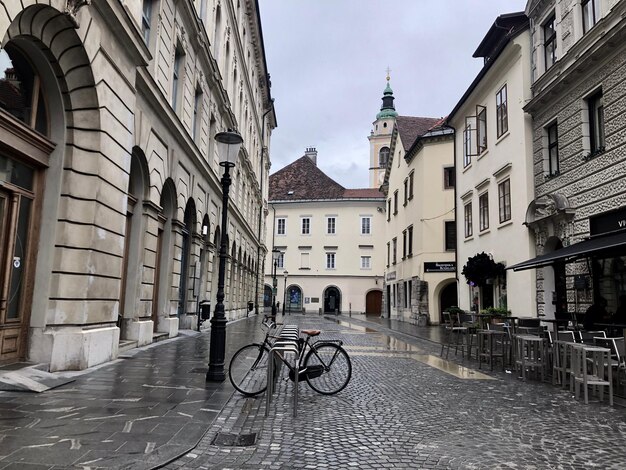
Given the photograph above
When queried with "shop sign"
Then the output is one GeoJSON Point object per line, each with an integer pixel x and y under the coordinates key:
{"type": "Point", "coordinates": [391, 276]}
{"type": "Point", "coordinates": [440, 267]}
{"type": "Point", "coordinates": [608, 222]}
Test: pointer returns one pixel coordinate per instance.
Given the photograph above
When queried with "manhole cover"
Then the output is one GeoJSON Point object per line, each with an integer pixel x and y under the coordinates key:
{"type": "Point", "coordinates": [234, 440]}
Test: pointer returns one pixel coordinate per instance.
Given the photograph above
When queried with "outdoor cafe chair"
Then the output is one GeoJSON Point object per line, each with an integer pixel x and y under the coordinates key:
{"type": "Point", "coordinates": [588, 336]}
{"type": "Point", "coordinates": [455, 333]}
{"type": "Point", "coordinates": [618, 353]}
{"type": "Point", "coordinates": [562, 357]}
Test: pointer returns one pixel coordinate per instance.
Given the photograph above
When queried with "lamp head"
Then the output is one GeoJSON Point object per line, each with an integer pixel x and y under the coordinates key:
{"type": "Point", "coordinates": [228, 145]}
{"type": "Point", "coordinates": [275, 255]}
{"type": "Point", "coordinates": [285, 273]}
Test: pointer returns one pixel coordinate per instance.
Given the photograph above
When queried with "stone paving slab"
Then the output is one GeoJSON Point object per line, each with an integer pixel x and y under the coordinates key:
{"type": "Point", "coordinates": [401, 413]}
{"type": "Point", "coordinates": [138, 412]}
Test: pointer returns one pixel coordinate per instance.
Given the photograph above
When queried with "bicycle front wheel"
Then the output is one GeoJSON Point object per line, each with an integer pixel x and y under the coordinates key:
{"type": "Point", "coordinates": [248, 369]}
{"type": "Point", "coordinates": [336, 368]}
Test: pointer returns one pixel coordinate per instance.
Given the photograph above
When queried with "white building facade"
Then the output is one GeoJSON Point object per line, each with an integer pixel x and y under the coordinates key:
{"type": "Point", "coordinates": [110, 193]}
{"type": "Point", "coordinates": [494, 171]}
{"type": "Point", "coordinates": [419, 233]}
{"type": "Point", "coordinates": [330, 243]}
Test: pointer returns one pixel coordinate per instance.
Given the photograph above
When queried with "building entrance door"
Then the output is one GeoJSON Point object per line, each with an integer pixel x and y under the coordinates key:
{"type": "Point", "coordinates": [373, 302]}
{"type": "Point", "coordinates": [15, 214]}
{"type": "Point", "coordinates": [332, 300]}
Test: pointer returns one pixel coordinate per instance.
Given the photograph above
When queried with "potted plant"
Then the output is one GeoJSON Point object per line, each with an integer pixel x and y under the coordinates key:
{"type": "Point", "coordinates": [481, 269]}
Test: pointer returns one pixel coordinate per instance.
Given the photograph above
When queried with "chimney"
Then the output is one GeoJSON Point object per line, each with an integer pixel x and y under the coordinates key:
{"type": "Point", "coordinates": [311, 152]}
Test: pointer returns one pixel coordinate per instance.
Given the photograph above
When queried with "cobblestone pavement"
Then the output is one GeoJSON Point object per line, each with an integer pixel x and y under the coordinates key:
{"type": "Point", "coordinates": [139, 412]}
{"type": "Point", "coordinates": [401, 412]}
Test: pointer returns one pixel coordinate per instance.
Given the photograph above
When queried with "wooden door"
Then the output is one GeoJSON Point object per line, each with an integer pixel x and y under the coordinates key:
{"type": "Point", "coordinates": [373, 302]}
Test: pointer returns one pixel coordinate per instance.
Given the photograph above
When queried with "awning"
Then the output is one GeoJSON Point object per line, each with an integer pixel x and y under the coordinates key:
{"type": "Point", "coordinates": [577, 250]}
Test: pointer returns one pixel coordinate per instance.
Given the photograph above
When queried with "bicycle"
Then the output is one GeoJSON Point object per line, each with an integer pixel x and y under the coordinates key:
{"type": "Point", "coordinates": [324, 364]}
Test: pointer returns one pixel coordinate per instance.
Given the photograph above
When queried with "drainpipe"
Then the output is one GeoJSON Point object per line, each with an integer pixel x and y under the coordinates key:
{"type": "Point", "coordinates": [258, 248]}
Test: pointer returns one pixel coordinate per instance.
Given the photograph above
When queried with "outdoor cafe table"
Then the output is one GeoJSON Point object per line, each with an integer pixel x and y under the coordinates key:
{"type": "Point", "coordinates": [554, 322]}
{"type": "Point", "coordinates": [612, 329]}
{"type": "Point", "coordinates": [484, 320]}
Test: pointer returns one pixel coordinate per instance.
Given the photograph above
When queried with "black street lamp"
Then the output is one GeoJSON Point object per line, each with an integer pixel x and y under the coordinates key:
{"type": "Point", "coordinates": [285, 292]}
{"type": "Point", "coordinates": [275, 257]}
{"type": "Point", "coordinates": [228, 144]}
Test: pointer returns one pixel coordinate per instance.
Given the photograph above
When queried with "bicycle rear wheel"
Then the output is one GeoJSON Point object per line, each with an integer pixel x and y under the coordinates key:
{"type": "Point", "coordinates": [248, 369]}
{"type": "Point", "coordinates": [337, 368]}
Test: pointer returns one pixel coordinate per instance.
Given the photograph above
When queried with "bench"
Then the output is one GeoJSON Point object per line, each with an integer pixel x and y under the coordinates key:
{"type": "Point", "coordinates": [286, 343]}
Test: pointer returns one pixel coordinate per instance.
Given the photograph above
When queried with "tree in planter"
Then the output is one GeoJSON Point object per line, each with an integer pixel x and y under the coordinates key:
{"type": "Point", "coordinates": [480, 268]}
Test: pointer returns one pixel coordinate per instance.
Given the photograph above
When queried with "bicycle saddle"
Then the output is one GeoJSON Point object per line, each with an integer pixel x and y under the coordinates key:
{"type": "Point", "coordinates": [311, 332]}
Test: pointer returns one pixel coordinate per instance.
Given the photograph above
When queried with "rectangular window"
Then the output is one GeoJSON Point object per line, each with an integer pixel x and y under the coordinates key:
{"type": "Point", "coordinates": [280, 262]}
{"type": "Point", "coordinates": [410, 241]}
{"type": "Point", "coordinates": [176, 76]}
{"type": "Point", "coordinates": [304, 261]}
{"type": "Point", "coordinates": [483, 212]}
{"type": "Point", "coordinates": [306, 226]}
{"type": "Point", "coordinates": [481, 117]}
{"type": "Point", "coordinates": [404, 244]}
{"type": "Point", "coordinates": [406, 294]}
{"type": "Point", "coordinates": [330, 226]}
{"type": "Point", "coordinates": [395, 202]}
{"type": "Point", "coordinates": [553, 150]}
{"type": "Point", "coordinates": [549, 41]}
{"type": "Point", "coordinates": [366, 225]}
{"type": "Point", "coordinates": [409, 287]}
{"type": "Point", "coordinates": [504, 200]}
{"type": "Point", "coordinates": [467, 213]}
{"type": "Point", "coordinates": [366, 262]}
{"type": "Point", "coordinates": [449, 178]}
{"type": "Point", "coordinates": [280, 226]}
{"type": "Point", "coordinates": [393, 297]}
{"type": "Point", "coordinates": [502, 115]}
{"type": "Point", "coordinates": [591, 13]}
{"type": "Point", "coordinates": [596, 123]}
{"type": "Point", "coordinates": [330, 260]}
{"type": "Point", "coordinates": [406, 190]}
{"type": "Point", "coordinates": [394, 244]}
{"type": "Point", "coordinates": [467, 146]}
{"type": "Point", "coordinates": [450, 241]}
{"type": "Point", "coordinates": [146, 20]}
{"type": "Point", "coordinates": [388, 209]}
{"type": "Point", "coordinates": [411, 185]}
{"type": "Point", "coordinates": [388, 253]}
{"type": "Point", "coordinates": [197, 103]}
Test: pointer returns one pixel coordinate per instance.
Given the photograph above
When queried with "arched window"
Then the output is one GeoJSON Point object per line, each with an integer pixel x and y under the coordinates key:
{"type": "Point", "coordinates": [21, 93]}
{"type": "Point", "coordinates": [383, 157]}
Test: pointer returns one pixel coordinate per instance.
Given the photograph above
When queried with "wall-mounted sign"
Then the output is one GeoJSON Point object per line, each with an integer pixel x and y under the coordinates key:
{"type": "Point", "coordinates": [608, 222]}
{"type": "Point", "coordinates": [307, 300]}
{"type": "Point", "coordinates": [391, 276]}
{"type": "Point", "coordinates": [440, 267]}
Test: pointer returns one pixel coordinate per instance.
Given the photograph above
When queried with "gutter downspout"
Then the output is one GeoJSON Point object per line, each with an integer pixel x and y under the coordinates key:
{"type": "Point", "coordinates": [258, 248]}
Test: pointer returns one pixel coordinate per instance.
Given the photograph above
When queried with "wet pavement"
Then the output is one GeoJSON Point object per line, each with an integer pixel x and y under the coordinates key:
{"type": "Point", "coordinates": [403, 408]}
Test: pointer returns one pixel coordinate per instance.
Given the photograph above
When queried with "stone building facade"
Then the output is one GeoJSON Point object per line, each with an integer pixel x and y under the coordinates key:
{"type": "Point", "coordinates": [330, 240]}
{"type": "Point", "coordinates": [578, 108]}
{"type": "Point", "coordinates": [110, 193]}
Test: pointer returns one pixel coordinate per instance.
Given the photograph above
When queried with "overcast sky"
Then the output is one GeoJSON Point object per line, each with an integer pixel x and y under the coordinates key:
{"type": "Point", "coordinates": [328, 61]}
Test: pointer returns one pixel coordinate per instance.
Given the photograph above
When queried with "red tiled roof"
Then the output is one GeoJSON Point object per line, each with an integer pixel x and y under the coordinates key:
{"type": "Point", "coordinates": [363, 193]}
{"type": "Point", "coordinates": [410, 128]}
{"type": "Point", "coordinates": [304, 180]}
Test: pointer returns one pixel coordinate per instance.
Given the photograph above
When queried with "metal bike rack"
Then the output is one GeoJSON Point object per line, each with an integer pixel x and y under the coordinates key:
{"type": "Point", "coordinates": [286, 343]}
